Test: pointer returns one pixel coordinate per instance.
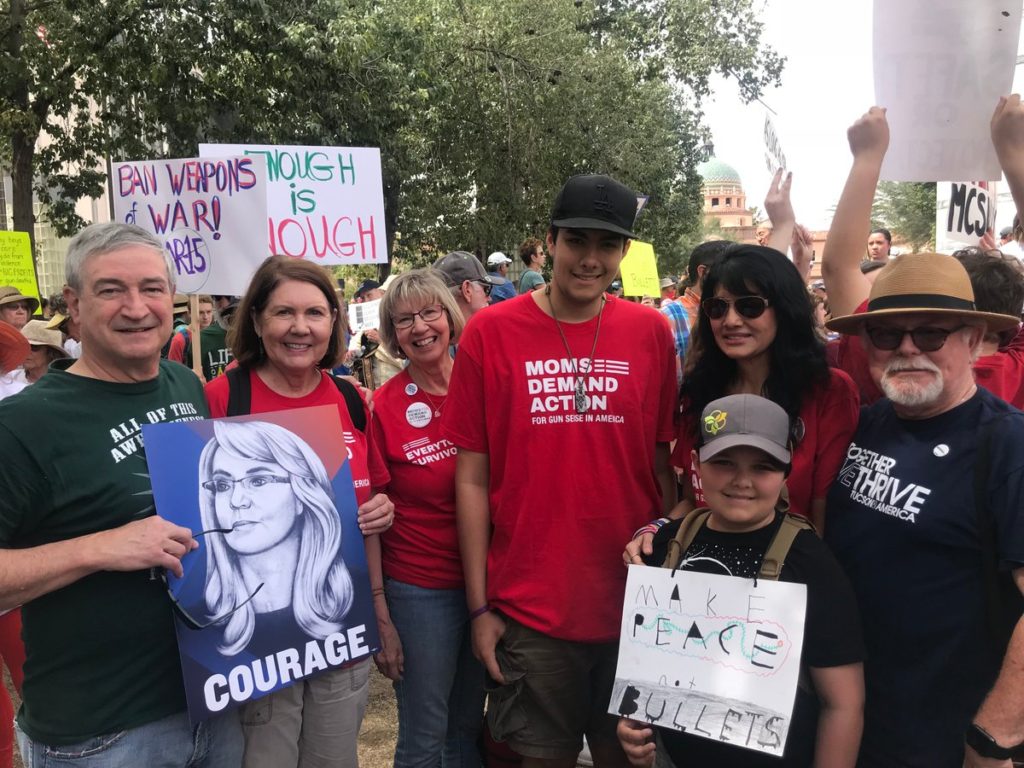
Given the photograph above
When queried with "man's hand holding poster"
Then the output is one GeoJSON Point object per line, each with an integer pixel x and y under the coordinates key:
{"type": "Point", "coordinates": [278, 588]}
{"type": "Point", "coordinates": [714, 656]}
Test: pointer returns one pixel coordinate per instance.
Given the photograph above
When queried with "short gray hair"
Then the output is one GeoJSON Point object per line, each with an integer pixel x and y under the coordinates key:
{"type": "Point", "coordinates": [110, 236]}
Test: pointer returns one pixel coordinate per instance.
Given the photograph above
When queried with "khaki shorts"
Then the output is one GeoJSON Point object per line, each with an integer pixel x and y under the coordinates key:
{"type": "Point", "coordinates": [555, 692]}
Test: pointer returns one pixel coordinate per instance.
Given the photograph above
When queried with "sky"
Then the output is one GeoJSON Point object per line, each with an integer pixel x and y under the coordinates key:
{"type": "Point", "coordinates": [826, 85]}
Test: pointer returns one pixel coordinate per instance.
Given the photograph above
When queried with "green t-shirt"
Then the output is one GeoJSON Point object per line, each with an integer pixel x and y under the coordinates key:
{"type": "Point", "coordinates": [530, 280]}
{"type": "Point", "coordinates": [101, 654]}
{"type": "Point", "coordinates": [214, 351]}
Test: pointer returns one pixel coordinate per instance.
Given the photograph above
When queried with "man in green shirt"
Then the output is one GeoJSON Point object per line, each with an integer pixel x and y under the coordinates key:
{"type": "Point", "coordinates": [81, 540]}
{"type": "Point", "coordinates": [533, 256]}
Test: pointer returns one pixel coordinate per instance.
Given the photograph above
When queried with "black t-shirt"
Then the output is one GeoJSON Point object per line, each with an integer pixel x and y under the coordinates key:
{"type": "Point", "coordinates": [832, 634]}
{"type": "Point", "coordinates": [902, 521]}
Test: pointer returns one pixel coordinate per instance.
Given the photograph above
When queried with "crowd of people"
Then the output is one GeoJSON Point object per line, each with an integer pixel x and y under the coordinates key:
{"type": "Point", "coordinates": [512, 446]}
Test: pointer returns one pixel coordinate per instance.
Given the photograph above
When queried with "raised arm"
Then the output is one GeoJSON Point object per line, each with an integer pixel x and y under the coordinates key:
{"type": "Point", "coordinates": [844, 247]}
{"type": "Point", "coordinates": [1008, 140]}
{"type": "Point", "coordinates": [779, 207]}
{"type": "Point", "coordinates": [802, 249]}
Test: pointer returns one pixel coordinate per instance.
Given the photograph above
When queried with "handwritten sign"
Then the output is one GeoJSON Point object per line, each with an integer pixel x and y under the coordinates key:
{"type": "Point", "coordinates": [325, 204]}
{"type": "Point", "coordinates": [16, 263]}
{"type": "Point", "coordinates": [964, 211]}
{"type": "Point", "coordinates": [710, 655]}
{"type": "Point", "coordinates": [639, 271]}
{"type": "Point", "coordinates": [364, 316]}
{"type": "Point", "coordinates": [774, 157]}
{"type": "Point", "coordinates": [206, 212]}
{"type": "Point", "coordinates": [939, 95]}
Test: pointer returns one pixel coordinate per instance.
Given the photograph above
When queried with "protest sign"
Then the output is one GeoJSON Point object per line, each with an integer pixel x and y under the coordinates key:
{"type": "Point", "coordinates": [639, 271]}
{"type": "Point", "coordinates": [16, 263]}
{"type": "Point", "coordinates": [964, 212]}
{"type": "Point", "coordinates": [206, 212]}
{"type": "Point", "coordinates": [278, 589]}
{"type": "Point", "coordinates": [710, 655]}
{"type": "Point", "coordinates": [364, 316]}
{"type": "Point", "coordinates": [774, 157]}
{"type": "Point", "coordinates": [325, 204]}
{"type": "Point", "coordinates": [939, 94]}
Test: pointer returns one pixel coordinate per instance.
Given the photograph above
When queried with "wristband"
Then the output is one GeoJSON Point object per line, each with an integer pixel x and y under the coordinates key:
{"type": "Point", "coordinates": [652, 527]}
{"type": "Point", "coordinates": [485, 608]}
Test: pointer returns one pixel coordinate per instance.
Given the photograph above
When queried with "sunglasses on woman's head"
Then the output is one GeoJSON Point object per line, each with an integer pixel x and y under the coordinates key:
{"type": "Point", "coordinates": [749, 307]}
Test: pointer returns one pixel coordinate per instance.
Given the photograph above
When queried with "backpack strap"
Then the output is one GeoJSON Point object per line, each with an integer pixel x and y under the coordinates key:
{"type": "Point", "coordinates": [684, 537]}
{"type": "Point", "coordinates": [239, 391]}
{"type": "Point", "coordinates": [775, 555]}
{"type": "Point", "coordinates": [356, 409]}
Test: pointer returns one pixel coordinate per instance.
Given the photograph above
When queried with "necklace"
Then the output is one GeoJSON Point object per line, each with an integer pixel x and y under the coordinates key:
{"type": "Point", "coordinates": [437, 408]}
{"type": "Point", "coordinates": [579, 391]}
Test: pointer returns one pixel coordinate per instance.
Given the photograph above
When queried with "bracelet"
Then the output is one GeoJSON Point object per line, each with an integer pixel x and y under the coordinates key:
{"type": "Point", "coordinates": [377, 591]}
{"type": "Point", "coordinates": [652, 527]}
{"type": "Point", "coordinates": [485, 608]}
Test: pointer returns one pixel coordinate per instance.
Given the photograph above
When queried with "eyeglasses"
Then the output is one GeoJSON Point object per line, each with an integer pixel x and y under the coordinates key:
{"type": "Point", "coordinates": [427, 314]}
{"type": "Point", "coordinates": [485, 286]}
{"type": "Point", "coordinates": [249, 483]}
{"type": "Point", "coordinates": [925, 339]}
{"type": "Point", "coordinates": [749, 307]}
{"type": "Point", "coordinates": [191, 621]}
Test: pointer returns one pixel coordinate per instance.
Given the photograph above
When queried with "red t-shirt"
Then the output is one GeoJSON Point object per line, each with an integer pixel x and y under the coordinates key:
{"type": "Point", "coordinates": [422, 547]}
{"type": "Point", "coordinates": [368, 468]}
{"type": "Point", "coordinates": [567, 490]}
{"type": "Point", "coordinates": [1002, 373]}
{"type": "Point", "coordinates": [830, 419]}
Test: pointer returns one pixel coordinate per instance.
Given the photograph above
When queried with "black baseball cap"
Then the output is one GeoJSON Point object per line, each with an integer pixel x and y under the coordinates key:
{"type": "Point", "coordinates": [594, 201]}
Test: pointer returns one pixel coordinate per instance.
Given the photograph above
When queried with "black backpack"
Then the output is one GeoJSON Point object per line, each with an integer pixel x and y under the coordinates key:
{"type": "Point", "coordinates": [240, 396]}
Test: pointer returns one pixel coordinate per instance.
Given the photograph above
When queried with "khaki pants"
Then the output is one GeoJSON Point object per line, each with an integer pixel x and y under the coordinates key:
{"type": "Point", "coordinates": [312, 724]}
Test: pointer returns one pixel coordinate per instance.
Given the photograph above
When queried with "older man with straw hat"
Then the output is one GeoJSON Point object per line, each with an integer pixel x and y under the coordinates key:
{"type": "Point", "coordinates": [924, 516]}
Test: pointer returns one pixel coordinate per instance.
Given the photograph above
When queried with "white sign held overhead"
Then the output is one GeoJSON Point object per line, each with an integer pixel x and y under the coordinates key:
{"type": "Point", "coordinates": [710, 655]}
{"type": "Point", "coordinates": [964, 212]}
{"type": "Point", "coordinates": [774, 157]}
{"type": "Point", "coordinates": [325, 204]}
{"type": "Point", "coordinates": [207, 213]}
{"type": "Point", "coordinates": [940, 67]}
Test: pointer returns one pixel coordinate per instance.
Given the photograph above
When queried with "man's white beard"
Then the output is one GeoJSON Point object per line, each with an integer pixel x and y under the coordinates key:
{"type": "Point", "coordinates": [910, 393]}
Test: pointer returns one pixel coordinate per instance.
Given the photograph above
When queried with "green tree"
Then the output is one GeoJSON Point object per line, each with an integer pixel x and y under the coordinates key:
{"type": "Point", "coordinates": [907, 209]}
{"type": "Point", "coordinates": [481, 110]}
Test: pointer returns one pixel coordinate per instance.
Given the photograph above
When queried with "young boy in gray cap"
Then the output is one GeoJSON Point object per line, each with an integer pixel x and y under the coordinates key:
{"type": "Point", "coordinates": [743, 459]}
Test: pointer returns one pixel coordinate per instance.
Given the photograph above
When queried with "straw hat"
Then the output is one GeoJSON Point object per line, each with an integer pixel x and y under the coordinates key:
{"type": "Point", "coordinates": [55, 322]}
{"type": "Point", "coordinates": [39, 335]}
{"type": "Point", "coordinates": [14, 347]}
{"type": "Point", "coordinates": [9, 294]}
{"type": "Point", "coordinates": [922, 282]}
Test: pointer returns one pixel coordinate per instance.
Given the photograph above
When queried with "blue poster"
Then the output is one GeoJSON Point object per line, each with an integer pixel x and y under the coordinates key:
{"type": "Point", "coordinates": [278, 589]}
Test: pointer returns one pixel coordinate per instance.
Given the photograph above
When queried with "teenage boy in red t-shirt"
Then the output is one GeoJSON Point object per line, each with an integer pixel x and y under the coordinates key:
{"type": "Point", "coordinates": [561, 406]}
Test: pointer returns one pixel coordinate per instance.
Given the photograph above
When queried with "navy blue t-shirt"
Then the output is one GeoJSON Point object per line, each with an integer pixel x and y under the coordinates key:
{"type": "Point", "coordinates": [902, 522]}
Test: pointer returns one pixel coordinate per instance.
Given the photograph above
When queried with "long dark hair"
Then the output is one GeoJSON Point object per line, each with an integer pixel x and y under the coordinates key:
{"type": "Point", "coordinates": [797, 363]}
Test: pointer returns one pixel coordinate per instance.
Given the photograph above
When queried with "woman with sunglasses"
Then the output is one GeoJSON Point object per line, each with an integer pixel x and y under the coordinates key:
{"type": "Point", "coordinates": [287, 333]}
{"type": "Point", "coordinates": [756, 336]}
{"type": "Point", "coordinates": [439, 684]}
{"type": "Point", "coordinates": [276, 559]}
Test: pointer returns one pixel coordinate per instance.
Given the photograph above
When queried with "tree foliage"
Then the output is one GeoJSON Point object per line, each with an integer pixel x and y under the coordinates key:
{"type": "Point", "coordinates": [481, 110]}
{"type": "Point", "coordinates": [907, 209]}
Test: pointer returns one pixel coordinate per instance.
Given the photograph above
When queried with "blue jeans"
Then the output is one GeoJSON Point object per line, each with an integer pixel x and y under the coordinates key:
{"type": "Point", "coordinates": [167, 743]}
{"type": "Point", "coordinates": [441, 695]}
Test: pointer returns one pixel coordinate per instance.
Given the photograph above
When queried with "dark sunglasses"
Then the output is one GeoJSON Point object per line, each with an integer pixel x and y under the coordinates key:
{"type": "Point", "coordinates": [925, 339]}
{"type": "Point", "coordinates": [485, 285]}
{"type": "Point", "coordinates": [746, 306]}
{"type": "Point", "coordinates": [190, 621]}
